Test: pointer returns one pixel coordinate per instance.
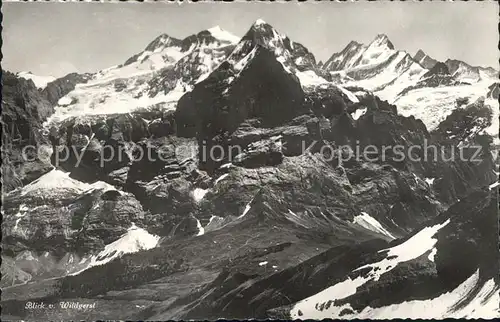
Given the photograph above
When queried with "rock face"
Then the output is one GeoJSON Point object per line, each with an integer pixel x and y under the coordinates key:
{"type": "Point", "coordinates": [267, 185]}
{"type": "Point", "coordinates": [62, 86]}
{"type": "Point", "coordinates": [424, 60]}
{"type": "Point", "coordinates": [56, 214]}
{"type": "Point", "coordinates": [23, 111]}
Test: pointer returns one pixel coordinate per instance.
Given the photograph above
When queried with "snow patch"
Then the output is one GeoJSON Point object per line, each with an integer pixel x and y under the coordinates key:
{"type": "Point", "coordinates": [23, 210]}
{"type": "Point", "coordinates": [64, 101]}
{"type": "Point", "coordinates": [246, 210]}
{"type": "Point", "coordinates": [263, 263]}
{"type": "Point", "coordinates": [366, 221]}
{"type": "Point", "coordinates": [358, 113]}
{"type": "Point", "coordinates": [494, 185]}
{"type": "Point", "coordinates": [432, 254]}
{"type": "Point", "coordinates": [310, 78]}
{"type": "Point", "coordinates": [226, 166]}
{"type": "Point", "coordinates": [222, 177]}
{"type": "Point", "coordinates": [349, 94]}
{"type": "Point", "coordinates": [199, 194]}
{"type": "Point", "coordinates": [259, 22]}
{"type": "Point", "coordinates": [201, 230]}
{"type": "Point", "coordinates": [430, 181]}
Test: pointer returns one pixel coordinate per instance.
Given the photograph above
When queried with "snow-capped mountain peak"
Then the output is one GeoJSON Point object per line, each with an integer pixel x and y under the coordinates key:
{"type": "Point", "coordinates": [161, 41]}
{"type": "Point", "coordinates": [261, 29]}
{"type": "Point", "coordinates": [259, 22]}
{"type": "Point", "coordinates": [381, 40]}
{"type": "Point", "coordinates": [358, 56]}
{"type": "Point", "coordinates": [346, 58]}
{"type": "Point", "coordinates": [221, 34]}
{"type": "Point", "coordinates": [290, 54]}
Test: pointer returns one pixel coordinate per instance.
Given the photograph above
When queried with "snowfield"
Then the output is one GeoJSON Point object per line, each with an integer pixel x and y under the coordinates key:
{"type": "Point", "coordinates": [125, 88]}
{"type": "Point", "coordinates": [416, 246]}
{"type": "Point", "coordinates": [433, 104]}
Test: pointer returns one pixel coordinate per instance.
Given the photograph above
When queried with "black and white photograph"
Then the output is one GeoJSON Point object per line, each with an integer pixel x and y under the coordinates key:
{"type": "Point", "coordinates": [269, 160]}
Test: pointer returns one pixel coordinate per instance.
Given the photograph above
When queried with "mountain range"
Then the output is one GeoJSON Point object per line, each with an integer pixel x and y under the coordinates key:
{"type": "Point", "coordinates": [278, 231]}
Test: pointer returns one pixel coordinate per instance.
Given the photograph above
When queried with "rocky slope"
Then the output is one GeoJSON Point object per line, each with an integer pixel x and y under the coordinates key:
{"type": "Point", "coordinates": [24, 109]}
{"type": "Point", "coordinates": [240, 197]}
{"type": "Point", "coordinates": [425, 60]}
{"type": "Point", "coordinates": [423, 275]}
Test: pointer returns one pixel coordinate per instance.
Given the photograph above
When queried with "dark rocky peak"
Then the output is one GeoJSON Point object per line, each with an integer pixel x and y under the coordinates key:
{"type": "Point", "coordinates": [262, 33]}
{"type": "Point", "coordinates": [353, 44]}
{"type": "Point", "coordinates": [262, 89]}
{"type": "Point", "coordinates": [265, 35]}
{"type": "Point", "coordinates": [438, 69]}
{"type": "Point", "coordinates": [162, 41]}
{"type": "Point", "coordinates": [461, 69]}
{"type": "Point", "coordinates": [419, 55]}
{"type": "Point", "coordinates": [454, 64]}
{"type": "Point", "coordinates": [423, 59]}
{"type": "Point", "coordinates": [260, 28]}
{"type": "Point", "coordinates": [21, 97]}
{"type": "Point", "coordinates": [205, 37]}
{"type": "Point", "coordinates": [352, 47]}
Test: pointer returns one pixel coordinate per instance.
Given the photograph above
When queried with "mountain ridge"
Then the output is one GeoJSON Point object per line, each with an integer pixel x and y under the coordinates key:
{"type": "Point", "coordinates": [240, 191]}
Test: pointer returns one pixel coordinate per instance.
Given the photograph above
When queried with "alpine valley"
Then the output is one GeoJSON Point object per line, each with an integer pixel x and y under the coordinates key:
{"type": "Point", "coordinates": [278, 231]}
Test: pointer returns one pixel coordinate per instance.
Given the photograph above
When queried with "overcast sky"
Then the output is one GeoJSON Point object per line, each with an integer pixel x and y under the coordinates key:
{"type": "Point", "coordinates": [58, 38]}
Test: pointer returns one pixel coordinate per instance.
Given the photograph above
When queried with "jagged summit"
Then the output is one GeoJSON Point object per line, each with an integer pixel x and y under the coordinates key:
{"type": "Point", "coordinates": [292, 55]}
{"type": "Point", "coordinates": [382, 40]}
{"type": "Point", "coordinates": [353, 43]}
{"type": "Point", "coordinates": [162, 40]}
{"type": "Point", "coordinates": [261, 27]}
